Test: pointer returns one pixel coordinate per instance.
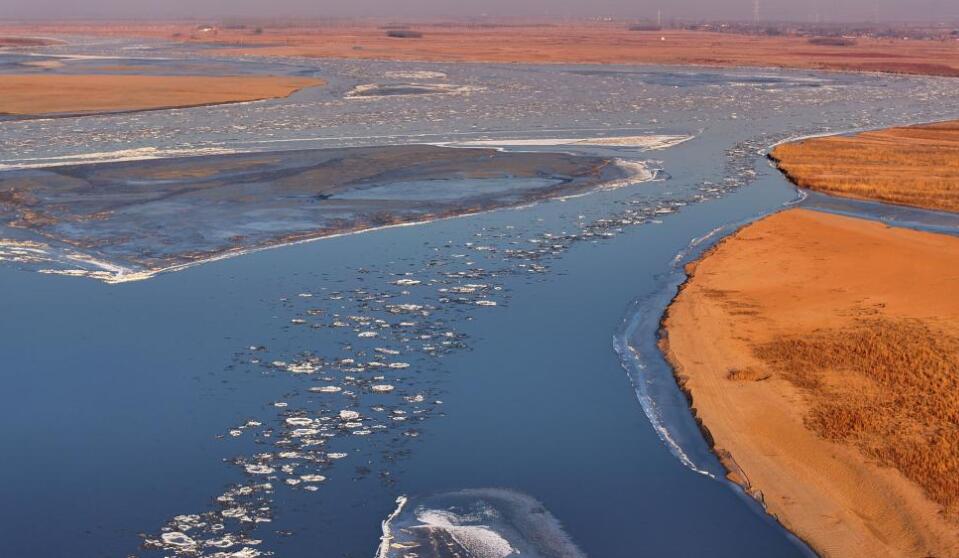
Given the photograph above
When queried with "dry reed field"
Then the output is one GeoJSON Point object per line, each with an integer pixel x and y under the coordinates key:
{"type": "Point", "coordinates": [550, 42]}
{"type": "Point", "coordinates": [916, 166]}
{"type": "Point", "coordinates": [889, 387]}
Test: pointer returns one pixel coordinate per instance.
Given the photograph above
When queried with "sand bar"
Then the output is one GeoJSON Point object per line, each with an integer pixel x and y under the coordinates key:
{"type": "Point", "coordinates": [89, 94]}
{"type": "Point", "coordinates": [914, 165]}
{"type": "Point", "coordinates": [161, 213]}
{"type": "Point", "coordinates": [821, 354]}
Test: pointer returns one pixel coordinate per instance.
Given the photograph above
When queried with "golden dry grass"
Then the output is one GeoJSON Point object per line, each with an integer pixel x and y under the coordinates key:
{"type": "Point", "coordinates": [36, 94]}
{"type": "Point", "coordinates": [889, 387]}
{"type": "Point", "coordinates": [747, 375]}
{"type": "Point", "coordinates": [916, 165]}
{"type": "Point", "coordinates": [554, 42]}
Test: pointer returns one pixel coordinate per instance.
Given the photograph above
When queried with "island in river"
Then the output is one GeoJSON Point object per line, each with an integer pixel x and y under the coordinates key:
{"type": "Point", "coordinates": [74, 95]}
{"type": "Point", "coordinates": [130, 219]}
{"type": "Point", "coordinates": [914, 165]}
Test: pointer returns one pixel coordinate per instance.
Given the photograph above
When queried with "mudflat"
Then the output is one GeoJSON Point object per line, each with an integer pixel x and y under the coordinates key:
{"type": "Point", "coordinates": [551, 42]}
{"type": "Point", "coordinates": [914, 165]}
{"type": "Point", "coordinates": [48, 94]}
{"type": "Point", "coordinates": [148, 215]}
{"type": "Point", "coordinates": [821, 355]}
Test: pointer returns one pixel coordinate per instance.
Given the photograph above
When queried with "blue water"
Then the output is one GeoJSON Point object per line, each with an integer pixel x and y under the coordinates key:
{"type": "Point", "coordinates": [893, 215]}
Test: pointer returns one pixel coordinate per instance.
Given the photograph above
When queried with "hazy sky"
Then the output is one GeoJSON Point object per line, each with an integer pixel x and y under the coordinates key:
{"type": "Point", "coordinates": [829, 10]}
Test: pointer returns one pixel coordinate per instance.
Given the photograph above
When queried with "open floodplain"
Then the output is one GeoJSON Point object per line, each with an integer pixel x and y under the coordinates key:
{"type": "Point", "coordinates": [440, 383]}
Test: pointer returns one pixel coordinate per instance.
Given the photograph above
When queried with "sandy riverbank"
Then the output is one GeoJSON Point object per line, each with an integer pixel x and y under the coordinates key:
{"type": "Point", "coordinates": [914, 165]}
{"type": "Point", "coordinates": [89, 94]}
{"type": "Point", "coordinates": [821, 353]}
{"type": "Point", "coordinates": [550, 42]}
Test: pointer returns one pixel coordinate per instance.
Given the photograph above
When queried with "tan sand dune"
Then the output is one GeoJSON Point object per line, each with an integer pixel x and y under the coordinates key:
{"type": "Point", "coordinates": [822, 354]}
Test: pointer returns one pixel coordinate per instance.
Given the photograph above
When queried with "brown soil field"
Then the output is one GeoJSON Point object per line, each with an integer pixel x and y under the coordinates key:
{"type": "Point", "coordinates": [543, 43]}
{"type": "Point", "coordinates": [915, 165]}
{"type": "Point", "coordinates": [821, 355]}
{"type": "Point", "coordinates": [89, 94]}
